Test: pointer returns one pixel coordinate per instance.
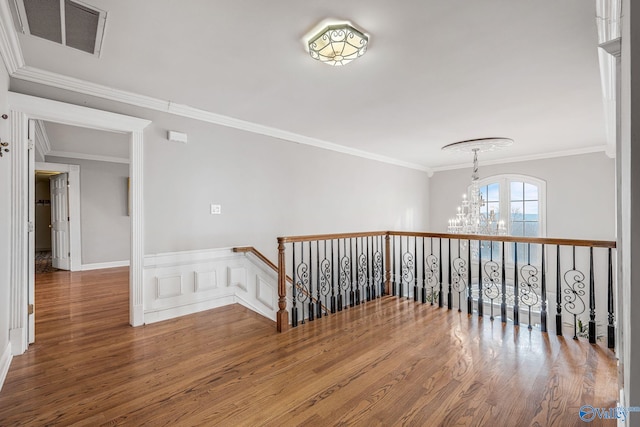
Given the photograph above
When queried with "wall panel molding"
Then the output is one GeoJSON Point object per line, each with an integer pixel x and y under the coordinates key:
{"type": "Point", "coordinates": [205, 279]}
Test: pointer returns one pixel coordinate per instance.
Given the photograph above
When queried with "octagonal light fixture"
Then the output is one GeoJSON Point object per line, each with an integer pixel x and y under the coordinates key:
{"type": "Point", "coordinates": [338, 44]}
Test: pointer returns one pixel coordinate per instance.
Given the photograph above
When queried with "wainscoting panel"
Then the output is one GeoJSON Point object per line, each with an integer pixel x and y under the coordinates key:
{"type": "Point", "coordinates": [265, 293]}
{"type": "Point", "coordinates": [238, 277]}
{"type": "Point", "coordinates": [181, 283]}
{"type": "Point", "coordinates": [168, 286]}
{"type": "Point", "coordinates": [205, 280]}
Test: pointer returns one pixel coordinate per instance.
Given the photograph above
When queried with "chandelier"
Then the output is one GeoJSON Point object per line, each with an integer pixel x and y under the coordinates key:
{"type": "Point", "coordinates": [338, 44]}
{"type": "Point", "coordinates": [472, 217]}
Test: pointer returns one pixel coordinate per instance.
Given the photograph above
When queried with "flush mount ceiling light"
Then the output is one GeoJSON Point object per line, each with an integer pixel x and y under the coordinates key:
{"type": "Point", "coordinates": [337, 44]}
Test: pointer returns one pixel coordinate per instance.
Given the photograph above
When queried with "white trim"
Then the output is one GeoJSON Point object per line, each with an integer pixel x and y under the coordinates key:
{"type": "Point", "coordinates": [36, 75]}
{"type": "Point", "coordinates": [42, 139]}
{"type": "Point", "coordinates": [528, 158]}
{"type": "Point", "coordinates": [75, 236]}
{"type": "Point", "coordinates": [9, 44]}
{"type": "Point", "coordinates": [74, 115]}
{"type": "Point", "coordinates": [101, 265]}
{"type": "Point", "coordinates": [84, 156]}
{"type": "Point", "coordinates": [5, 363]}
{"type": "Point", "coordinates": [22, 109]}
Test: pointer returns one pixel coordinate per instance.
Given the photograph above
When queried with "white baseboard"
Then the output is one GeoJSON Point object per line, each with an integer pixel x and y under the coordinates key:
{"type": "Point", "coordinates": [5, 362]}
{"type": "Point", "coordinates": [170, 313]}
{"type": "Point", "coordinates": [101, 265]}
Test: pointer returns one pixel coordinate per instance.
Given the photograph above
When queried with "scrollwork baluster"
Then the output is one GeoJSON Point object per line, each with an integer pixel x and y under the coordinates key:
{"type": "Point", "coordinates": [528, 295]}
{"type": "Point", "coordinates": [573, 302]}
{"type": "Point", "coordinates": [492, 280]}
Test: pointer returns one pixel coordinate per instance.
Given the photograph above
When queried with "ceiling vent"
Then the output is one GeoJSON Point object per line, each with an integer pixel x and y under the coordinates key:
{"type": "Point", "coordinates": [70, 23]}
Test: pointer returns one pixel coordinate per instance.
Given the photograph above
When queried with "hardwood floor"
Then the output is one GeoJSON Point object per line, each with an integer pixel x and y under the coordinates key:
{"type": "Point", "coordinates": [389, 362]}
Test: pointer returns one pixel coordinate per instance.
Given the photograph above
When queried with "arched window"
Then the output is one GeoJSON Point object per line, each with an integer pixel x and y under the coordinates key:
{"type": "Point", "coordinates": [519, 201]}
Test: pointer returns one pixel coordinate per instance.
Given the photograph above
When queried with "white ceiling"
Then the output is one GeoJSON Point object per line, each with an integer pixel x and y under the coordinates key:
{"type": "Point", "coordinates": [435, 71]}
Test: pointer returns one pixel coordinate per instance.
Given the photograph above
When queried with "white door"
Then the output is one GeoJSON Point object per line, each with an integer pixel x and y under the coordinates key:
{"type": "Point", "coordinates": [60, 256]}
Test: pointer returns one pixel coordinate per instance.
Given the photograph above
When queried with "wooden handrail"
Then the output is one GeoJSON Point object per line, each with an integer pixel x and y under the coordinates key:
{"type": "Point", "coordinates": [308, 238]}
{"type": "Point", "coordinates": [260, 256]}
{"type": "Point", "coordinates": [538, 240]}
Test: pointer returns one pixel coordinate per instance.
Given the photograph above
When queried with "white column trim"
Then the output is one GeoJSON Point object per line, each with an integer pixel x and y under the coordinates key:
{"type": "Point", "coordinates": [19, 280]}
{"type": "Point", "coordinates": [136, 269]}
{"type": "Point", "coordinates": [22, 109]}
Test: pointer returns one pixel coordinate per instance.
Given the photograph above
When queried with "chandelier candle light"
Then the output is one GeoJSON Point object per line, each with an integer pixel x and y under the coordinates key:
{"type": "Point", "coordinates": [471, 217]}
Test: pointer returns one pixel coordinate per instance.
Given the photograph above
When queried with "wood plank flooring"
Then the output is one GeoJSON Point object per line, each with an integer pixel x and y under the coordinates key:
{"type": "Point", "coordinates": [389, 362]}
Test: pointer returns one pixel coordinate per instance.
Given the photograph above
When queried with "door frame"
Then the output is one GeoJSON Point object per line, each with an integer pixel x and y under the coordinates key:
{"type": "Point", "coordinates": [75, 232]}
{"type": "Point", "coordinates": [25, 107]}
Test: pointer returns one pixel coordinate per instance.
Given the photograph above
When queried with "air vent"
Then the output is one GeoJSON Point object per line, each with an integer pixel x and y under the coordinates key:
{"type": "Point", "coordinates": [67, 22]}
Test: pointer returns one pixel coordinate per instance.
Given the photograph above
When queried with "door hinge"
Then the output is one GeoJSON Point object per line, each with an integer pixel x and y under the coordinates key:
{"type": "Point", "coordinates": [30, 308]}
{"type": "Point", "coordinates": [31, 145]}
{"type": "Point", "coordinates": [30, 227]}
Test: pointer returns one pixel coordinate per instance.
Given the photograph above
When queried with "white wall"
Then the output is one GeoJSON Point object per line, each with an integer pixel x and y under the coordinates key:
{"type": "Point", "coordinates": [5, 232]}
{"type": "Point", "coordinates": [580, 194]}
{"type": "Point", "coordinates": [104, 223]}
{"type": "Point", "coordinates": [267, 188]}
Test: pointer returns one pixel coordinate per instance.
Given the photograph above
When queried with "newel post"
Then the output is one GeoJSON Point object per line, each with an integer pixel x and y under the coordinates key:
{"type": "Point", "coordinates": [282, 317]}
{"type": "Point", "coordinates": [387, 264]}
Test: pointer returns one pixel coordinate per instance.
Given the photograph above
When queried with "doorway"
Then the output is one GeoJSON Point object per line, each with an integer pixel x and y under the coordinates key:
{"type": "Point", "coordinates": [23, 108]}
{"type": "Point", "coordinates": [44, 205]}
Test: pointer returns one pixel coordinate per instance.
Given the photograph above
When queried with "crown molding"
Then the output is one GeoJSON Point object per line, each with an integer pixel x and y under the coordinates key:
{"type": "Point", "coordinates": [36, 75]}
{"type": "Point", "coordinates": [84, 156]}
{"type": "Point", "coordinates": [566, 153]}
{"type": "Point", "coordinates": [9, 44]}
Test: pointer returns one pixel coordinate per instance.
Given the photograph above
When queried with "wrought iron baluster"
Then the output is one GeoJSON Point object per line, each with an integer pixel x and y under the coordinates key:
{"type": "Point", "coordinates": [352, 294]}
{"type": "Point", "coordinates": [440, 272]}
{"type": "Point", "coordinates": [415, 268]}
{"type": "Point", "coordinates": [449, 278]}
{"type": "Point", "coordinates": [458, 284]}
{"type": "Point", "coordinates": [611, 340]}
{"type": "Point", "coordinates": [469, 281]}
{"type": "Point", "coordinates": [401, 266]}
{"type": "Point", "coordinates": [294, 308]}
{"type": "Point", "coordinates": [407, 266]}
{"type": "Point", "coordinates": [433, 272]}
{"type": "Point", "coordinates": [503, 304]}
{"type": "Point", "coordinates": [480, 292]}
{"type": "Point", "coordinates": [340, 288]}
{"type": "Point", "coordinates": [311, 305]}
{"type": "Point", "coordinates": [492, 280]}
{"type": "Point", "coordinates": [394, 291]}
{"type": "Point", "coordinates": [324, 284]}
{"type": "Point", "coordinates": [368, 270]}
{"type": "Point", "coordinates": [528, 295]}
{"type": "Point", "coordinates": [424, 272]}
{"type": "Point", "coordinates": [592, 300]}
{"type": "Point", "coordinates": [319, 282]}
{"type": "Point", "coordinates": [362, 273]}
{"type": "Point", "coordinates": [543, 310]}
{"type": "Point", "coordinates": [516, 291]}
{"type": "Point", "coordinates": [333, 282]}
{"type": "Point", "coordinates": [302, 284]}
{"type": "Point", "coordinates": [574, 304]}
{"type": "Point", "coordinates": [558, 294]}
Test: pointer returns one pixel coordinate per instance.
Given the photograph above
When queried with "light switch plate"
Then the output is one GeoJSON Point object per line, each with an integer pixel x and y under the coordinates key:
{"type": "Point", "coordinates": [216, 209]}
